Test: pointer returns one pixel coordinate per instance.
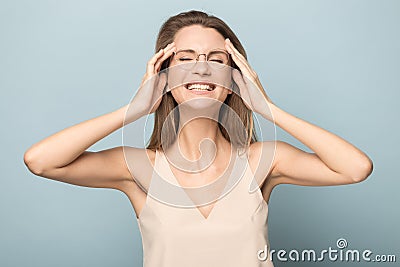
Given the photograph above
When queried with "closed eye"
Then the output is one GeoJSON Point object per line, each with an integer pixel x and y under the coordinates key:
{"type": "Point", "coordinates": [185, 59]}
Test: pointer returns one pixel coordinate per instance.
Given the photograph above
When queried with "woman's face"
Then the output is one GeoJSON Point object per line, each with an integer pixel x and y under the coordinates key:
{"type": "Point", "coordinates": [201, 80]}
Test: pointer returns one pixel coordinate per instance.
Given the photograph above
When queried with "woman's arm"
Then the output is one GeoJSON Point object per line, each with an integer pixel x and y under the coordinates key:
{"type": "Point", "coordinates": [63, 156]}
{"type": "Point", "coordinates": [335, 160]}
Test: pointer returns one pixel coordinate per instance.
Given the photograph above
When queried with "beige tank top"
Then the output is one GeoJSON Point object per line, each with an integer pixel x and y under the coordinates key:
{"type": "Point", "coordinates": [234, 234]}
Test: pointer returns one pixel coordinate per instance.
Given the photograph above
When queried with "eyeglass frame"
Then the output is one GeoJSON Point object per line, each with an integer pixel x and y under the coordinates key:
{"type": "Point", "coordinates": [205, 54]}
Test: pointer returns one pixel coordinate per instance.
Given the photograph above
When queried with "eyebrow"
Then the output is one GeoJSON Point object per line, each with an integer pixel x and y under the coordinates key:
{"type": "Point", "coordinates": [186, 50]}
{"type": "Point", "coordinates": [191, 50]}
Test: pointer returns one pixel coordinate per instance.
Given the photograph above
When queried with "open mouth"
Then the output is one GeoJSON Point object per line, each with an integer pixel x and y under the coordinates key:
{"type": "Point", "coordinates": [200, 86]}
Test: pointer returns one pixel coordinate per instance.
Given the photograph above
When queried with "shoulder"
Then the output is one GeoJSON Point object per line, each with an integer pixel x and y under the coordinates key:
{"type": "Point", "coordinates": [256, 147]}
{"type": "Point", "coordinates": [264, 148]}
{"type": "Point", "coordinates": [288, 163]}
{"type": "Point", "coordinates": [134, 154]}
{"type": "Point", "coordinates": [262, 160]}
{"type": "Point", "coordinates": [140, 163]}
{"type": "Point", "coordinates": [268, 154]}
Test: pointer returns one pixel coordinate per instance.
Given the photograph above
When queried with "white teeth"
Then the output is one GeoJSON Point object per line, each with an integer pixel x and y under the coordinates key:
{"type": "Point", "coordinates": [199, 87]}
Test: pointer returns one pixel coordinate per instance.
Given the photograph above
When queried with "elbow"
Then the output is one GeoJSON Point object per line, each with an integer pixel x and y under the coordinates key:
{"type": "Point", "coordinates": [33, 164]}
{"type": "Point", "coordinates": [364, 170]}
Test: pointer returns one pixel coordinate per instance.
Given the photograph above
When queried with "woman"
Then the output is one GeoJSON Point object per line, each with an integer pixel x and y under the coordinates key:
{"type": "Point", "coordinates": [231, 231]}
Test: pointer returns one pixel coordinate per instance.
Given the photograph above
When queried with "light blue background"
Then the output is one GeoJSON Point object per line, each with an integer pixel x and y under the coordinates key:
{"type": "Point", "coordinates": [332, 63]}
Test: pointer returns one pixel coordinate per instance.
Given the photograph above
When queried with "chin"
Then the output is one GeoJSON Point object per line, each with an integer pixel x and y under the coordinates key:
{"type": "Point", "coordinates": [200, 102]}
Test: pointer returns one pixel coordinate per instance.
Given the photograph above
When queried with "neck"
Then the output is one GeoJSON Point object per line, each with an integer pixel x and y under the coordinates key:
{"type": "Point", "coordinates": [200, 134]}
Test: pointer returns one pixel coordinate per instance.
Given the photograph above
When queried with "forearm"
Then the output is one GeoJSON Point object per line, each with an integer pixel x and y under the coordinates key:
{"type": "Point", "coordinates": [66, 145]}
{"type": "Point", "coordinates": [338, 154]}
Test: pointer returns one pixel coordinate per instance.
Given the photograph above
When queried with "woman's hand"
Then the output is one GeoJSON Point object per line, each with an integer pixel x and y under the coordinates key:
{"type": "Point", "coordinates": [334, 161]}
{"type": "Point", "coordinates": [149, 94]}
{"type": "Point", "coordinates": [250, 87]}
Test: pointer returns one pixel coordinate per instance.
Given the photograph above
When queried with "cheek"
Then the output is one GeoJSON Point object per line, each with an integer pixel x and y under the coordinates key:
{"type": "Point", "coordinates": [176, 77]}
{"type": "Point", "coordinates": [177, 93]}
{"type": "Point", "coordinates": [223, 94]}
{"type": "Point", "coordinates": [223, 78]}
{"type": "Point", "coordinates": [173, 93]}
{"type": "Point", "coordinates": [229, 92]}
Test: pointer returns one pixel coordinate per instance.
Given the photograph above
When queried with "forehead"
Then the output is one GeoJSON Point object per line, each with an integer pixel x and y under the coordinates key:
{"type": "Point", "coordinates": [199, 38]}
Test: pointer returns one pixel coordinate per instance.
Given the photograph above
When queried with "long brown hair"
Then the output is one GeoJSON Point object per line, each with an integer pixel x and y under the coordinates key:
{"type": "Point", "coordinates": [239, 137]}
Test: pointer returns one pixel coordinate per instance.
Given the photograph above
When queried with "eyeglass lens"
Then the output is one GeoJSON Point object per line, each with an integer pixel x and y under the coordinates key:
{"type": "Point", "coordinates": [190, 56]}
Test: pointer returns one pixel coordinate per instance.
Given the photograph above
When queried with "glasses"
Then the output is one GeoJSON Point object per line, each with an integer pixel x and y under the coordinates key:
{"type": "Point", "coordinates": [187, 58]}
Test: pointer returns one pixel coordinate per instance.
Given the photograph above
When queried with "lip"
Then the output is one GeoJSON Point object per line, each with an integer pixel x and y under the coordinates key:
{"type": "Point", "coordinates": [205, 92]}
{"type": "Point", "coordinates": [212, 85]}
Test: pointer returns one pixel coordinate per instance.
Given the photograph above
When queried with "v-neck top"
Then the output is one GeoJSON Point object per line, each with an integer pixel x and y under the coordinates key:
{"type": "Point", "coordinates": [234, 234]}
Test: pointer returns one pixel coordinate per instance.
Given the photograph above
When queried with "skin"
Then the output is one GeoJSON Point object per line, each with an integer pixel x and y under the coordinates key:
{"type": "Point", "coordinates": [196, 130]}
{"type": "Point", "coordinates": [63, 156]}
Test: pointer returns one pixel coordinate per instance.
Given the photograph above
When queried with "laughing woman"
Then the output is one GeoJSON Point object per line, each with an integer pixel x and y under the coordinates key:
{"type": "Point", "coordinates": [231, 231]}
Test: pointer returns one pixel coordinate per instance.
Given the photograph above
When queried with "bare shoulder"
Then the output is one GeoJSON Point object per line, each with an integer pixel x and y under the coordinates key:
{"type": "Point", "coordinates": [263, 154]}
{"type": "Point", "coordinates": [279, 150]}
{"type": "Point", "coordinates": [256, 148]}
{"type": "Point", "coordinates": [140, 163]}
{"type": "Point", "coordinates": [270, 155]}
{"type": "Point", "coordinates": [136, 152]}
{"type": "Point", "coordinates": [262, 159]}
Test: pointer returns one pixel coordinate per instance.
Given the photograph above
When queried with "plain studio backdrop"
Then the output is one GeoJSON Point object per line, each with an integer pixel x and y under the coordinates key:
{"type": "Point", "coordinates": [332, 63]}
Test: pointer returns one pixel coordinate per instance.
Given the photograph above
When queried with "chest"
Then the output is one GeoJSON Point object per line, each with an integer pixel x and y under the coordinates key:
{"type": "Point", "coordinates": [214, 175]}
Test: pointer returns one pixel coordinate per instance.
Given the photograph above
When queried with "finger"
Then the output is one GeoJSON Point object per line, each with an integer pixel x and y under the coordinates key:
{"type": "Point", "coordinates": [240, 56]}
{"type": "Point", "coordinates": [153, 60]}
{"type": "Point", "coordinates": [155, 57]}
{"type": "Point", "coordinates": [168, 53]}
{"type": "Point", "coordinates": [250, 72]}
{"type": "Point", "coordinates": [239, 59]}
{"type": "Point", "coordinates": [150, 63]}
{"type": "Point", "coordinates": [230, 44]}
{"type": "Point", "coordinates": [250, 85]}
{"type": "Point", "coordinates": [234, 51]}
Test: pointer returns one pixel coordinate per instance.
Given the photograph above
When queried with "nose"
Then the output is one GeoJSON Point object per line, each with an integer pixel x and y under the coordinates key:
{"type": "Point", "coordinates": [201, 67]}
